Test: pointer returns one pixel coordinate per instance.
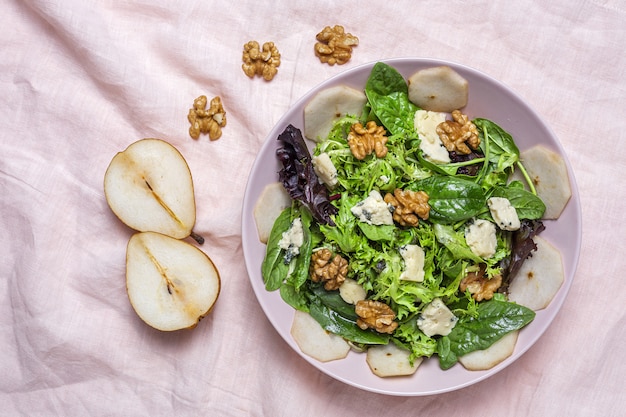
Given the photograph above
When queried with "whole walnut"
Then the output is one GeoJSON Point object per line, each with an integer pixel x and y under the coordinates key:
{"type": "Point", "coordinates": [329, 269]}
{"type": "Point", "coordinates": [480, 285]}
{"type": "Point", "coordinates": [375, 315]}
{"type": "Point", "coordinates": [334, 45]}
{"type": "Point", "coordinates": [260, 60]}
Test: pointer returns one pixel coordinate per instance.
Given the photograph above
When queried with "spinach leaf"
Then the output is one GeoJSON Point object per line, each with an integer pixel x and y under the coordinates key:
{"type": "Point", "coordinates": [378, 233]}
{"type": "Point", "coordinates": [300, 271]}
{"type": "Point", "coordinates": [384, 80]}
{"type": "Point", "coordinates": [495, 319]}
{"type": "Point", "coordinates": [446, 169]}
{"type": "Point", "coordinates": [297, 299]}
{"type": "Point", "coordinates": [335, 323]}
{"type": "Point", "coordinates": [452, 199]}
{"type": "Point", "coordinates": [395, 111]}
{"type": "Point", "coordinates": [339, 317]}
{"type": "Point", "coordinates": [388, 95]}
{"type": "Point", "coordinates": [333, 300]}
{"type": "Point", "coordinates": [527, 205]}
{"type": "Point", "coordinates": [503, 152]}
{"type": "Point", "coordinates": [274, 270]}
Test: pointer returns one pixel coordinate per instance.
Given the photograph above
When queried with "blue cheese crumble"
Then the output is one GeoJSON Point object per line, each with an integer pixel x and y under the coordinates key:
{"type": "Point", "coordinates": [291, 240]}
{"type": "Point", "coordinates": [481, 238]}
{"type": "Point", "coordinates": [325, 170]}
{"type": "Point", "coordinates": [503, 213]}
{"type": "Point", "coordinates": [426, 123]}
{"type": "Point", "coordinates": [373, 210]}
{"type": "Point", "coordinates": [413, 256]}
{"type": "Point", "coordinates": [436, 319]}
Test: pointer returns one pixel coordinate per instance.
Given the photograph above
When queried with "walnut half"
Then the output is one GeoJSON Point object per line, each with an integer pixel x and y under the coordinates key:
{"type": "Point", "coordinates": [408, 206]}
{"type": "Point", "coordinates": [334, 45]}
{"type": "Point", "coordinates": [458, 133]}
{"type": "Point", "coordinates": [332, 272]}
{"type": "Point", "coordinates": [479, 285]}
{"type": "Point", "coordinates": [375, 315]}
{"type": "Point", "coordinates": [365, 140]}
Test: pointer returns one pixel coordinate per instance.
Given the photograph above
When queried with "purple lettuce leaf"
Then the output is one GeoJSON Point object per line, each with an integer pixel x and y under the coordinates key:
{"type": "Point", "coordinates": [299, 178]}
{"type": "Point", "coordinates": [522, 246]}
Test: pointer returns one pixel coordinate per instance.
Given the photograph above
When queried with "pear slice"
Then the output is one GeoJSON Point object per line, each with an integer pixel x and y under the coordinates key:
{"type": "Point", "coordinates": [272, 201]}
{"type": "Point", "coordinates": [149, 188]}
{"type": "Point", "coordinates": [439, 89]}
{"type": "Point", "coordinates": [171, 284]}
{"type": "Point", "coordinates": [539, 278]}
{"type": "Point", "coordinates": [481, 360]}
{"type": "Point", "coordinates": [315, 341]}
{"type": "Point", "coordinates": [548, 172]}
{"type": "Point", "coordinates": [389, 360]}
{"type": "Point", "coordinates": [328, 106]}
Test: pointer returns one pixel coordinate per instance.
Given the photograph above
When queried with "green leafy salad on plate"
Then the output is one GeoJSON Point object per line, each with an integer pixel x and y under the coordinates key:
{"type": "Point", "coordinates": [404, 229]}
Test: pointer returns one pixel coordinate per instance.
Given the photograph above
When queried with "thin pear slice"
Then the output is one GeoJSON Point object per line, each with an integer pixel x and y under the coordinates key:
{"type": "Point", "coordinates": [389, 360]}
{"type": "Point", "coordinates": [481, 360]}
{"type": "Point", "coordinates": [149, 188]}
{"type": "Point", "coordinates": [316, 342]}
{"type": "Point", "coordinates": [272, 201]}
{"type": "Point", "coordinates": [439, 89]}
{"type": "Point", "coordinates": [548, 172]}
{"type": "Point", "coordinates": [539, 278]}
{"type": "Point", "coordinates": [328, 106]}
{"type": "Point", "coordinates": [171, 284]}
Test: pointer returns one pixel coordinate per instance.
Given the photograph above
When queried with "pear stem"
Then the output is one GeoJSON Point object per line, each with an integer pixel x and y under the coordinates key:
{"type": "Point", "coordinates": [197, 237]}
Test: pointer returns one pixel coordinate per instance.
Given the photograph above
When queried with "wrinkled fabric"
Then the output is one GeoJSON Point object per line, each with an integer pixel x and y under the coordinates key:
{"type": "Point", "coordinates": [81, 80]}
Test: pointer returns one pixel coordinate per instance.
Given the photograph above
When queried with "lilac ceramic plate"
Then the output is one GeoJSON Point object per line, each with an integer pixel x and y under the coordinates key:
{"type": "Point", "coordinates": [489, 99]}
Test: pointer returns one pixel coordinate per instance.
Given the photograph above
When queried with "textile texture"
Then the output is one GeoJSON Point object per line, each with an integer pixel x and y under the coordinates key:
{"type": "Point", "coordinates": [81, 80]}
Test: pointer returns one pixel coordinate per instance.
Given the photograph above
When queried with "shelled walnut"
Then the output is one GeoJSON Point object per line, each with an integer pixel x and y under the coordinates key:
{"type": "Point", "coordinates": [458, 133]}
{"type": "Point", "coordinates": [479, 285]}
{"type": "Point", "coordinates": [365, 140]}
{"type": "Point", "coordinates": [375, 315]}
{"type": "Point", "coordinates": [263, 61]}
{"type": "Point", "coordinates": [332, 272]}
{"type": "Point", "coordinates": [408, 206]}
{"type": "Point", "coordinates": [204, 120]}
{"type": "Point", "coordinates": [334, 45]}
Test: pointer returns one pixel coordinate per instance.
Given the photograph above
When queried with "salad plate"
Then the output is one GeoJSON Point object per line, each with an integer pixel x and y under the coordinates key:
{"type": "Point", "coordinates": [488, 98]}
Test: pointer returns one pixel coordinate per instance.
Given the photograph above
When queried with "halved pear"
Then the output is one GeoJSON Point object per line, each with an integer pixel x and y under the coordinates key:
{"type": "Point", "coordinates": [171, 284]}
{"type": "Point", "coordinates": [149, 188]}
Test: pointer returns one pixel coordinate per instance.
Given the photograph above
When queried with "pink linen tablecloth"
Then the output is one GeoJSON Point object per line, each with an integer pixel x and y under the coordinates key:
{"type": "Point", "coordinates": [81, 80]}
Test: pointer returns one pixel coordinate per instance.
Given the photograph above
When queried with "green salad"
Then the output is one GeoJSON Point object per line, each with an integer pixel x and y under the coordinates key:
{"type": "Point", "coordinates": [376, 256]}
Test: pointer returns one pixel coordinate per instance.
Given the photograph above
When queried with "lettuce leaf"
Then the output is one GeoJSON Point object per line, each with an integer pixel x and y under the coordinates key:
{"type": "Point", "coordinates": [299, 177]}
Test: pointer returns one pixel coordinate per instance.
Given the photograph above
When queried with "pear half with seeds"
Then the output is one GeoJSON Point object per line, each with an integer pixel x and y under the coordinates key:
{"type": "Point", "coordinates": [171, 284]}
{"type": "Point", "coordinates": [149, 188]}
